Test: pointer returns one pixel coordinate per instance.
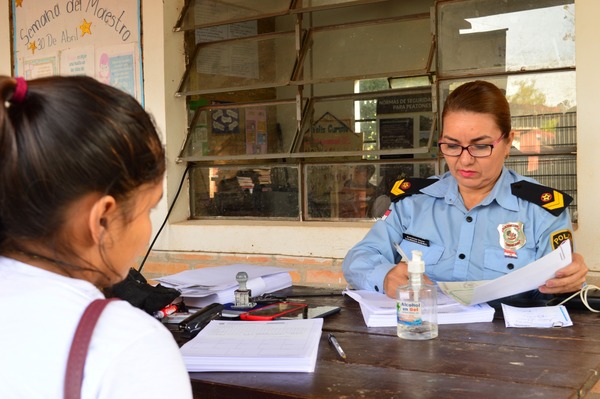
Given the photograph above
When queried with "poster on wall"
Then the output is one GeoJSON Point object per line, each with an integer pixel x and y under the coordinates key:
{"type": "Point", "coordinates": [256, 130]}
{"type": "Point", "coordinates": [96, 38]}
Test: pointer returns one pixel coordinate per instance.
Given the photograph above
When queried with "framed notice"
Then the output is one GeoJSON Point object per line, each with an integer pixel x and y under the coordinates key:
{"type": "Point", "coordinates": [97, 38]}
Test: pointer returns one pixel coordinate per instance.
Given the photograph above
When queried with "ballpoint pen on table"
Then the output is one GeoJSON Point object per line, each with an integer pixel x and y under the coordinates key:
{"type": "Point", "coordinates": [337, 346]}
{"type": "Point", "coordinates": [403, 256]}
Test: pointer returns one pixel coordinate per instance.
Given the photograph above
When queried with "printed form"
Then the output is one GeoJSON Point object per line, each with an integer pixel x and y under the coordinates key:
{"type": "Point", "coordinates": [278, 345]}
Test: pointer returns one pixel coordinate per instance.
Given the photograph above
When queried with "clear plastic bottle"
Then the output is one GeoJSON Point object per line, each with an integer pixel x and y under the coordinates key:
{"type": "Point", "coordinates": [417, 304]}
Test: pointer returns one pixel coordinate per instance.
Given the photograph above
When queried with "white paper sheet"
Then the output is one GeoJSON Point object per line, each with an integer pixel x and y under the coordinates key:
{"type": "Point", "coordinates": [525, 279]}
{"type": "Point", "coordinates": [537, 317]}
{"type": "Point", "coordinates": [201, 287]}
{"type": "Point", "coordinates": [216, 278]}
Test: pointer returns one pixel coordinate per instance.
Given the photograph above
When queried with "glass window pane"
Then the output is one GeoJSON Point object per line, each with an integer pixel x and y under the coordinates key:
{"type": "Point", "coordinates": [245, 191]}
{"type": "Point", "coordinates": [559, 172]}
{"type": "Point", "coordinates": [356, 190]}
{"type": "Point", "coordinates": [311, 5]}
{"type": "Point", "coordinates": [400, 123]}
{"type": "Point", "coordinates": [387, 48]}
{"type": "Point", "coordinates": [230, 130]}
{"type": "Point", "coordinates": [203, 13]}
{"type": "Point", "coordinates": [331, 128]}
{"type": "Point", "coordinates": [241, 64]}
{"type": "Point", "coordinates": [543, 107]}
{"type": "Point", "coordinates": [499, 36]}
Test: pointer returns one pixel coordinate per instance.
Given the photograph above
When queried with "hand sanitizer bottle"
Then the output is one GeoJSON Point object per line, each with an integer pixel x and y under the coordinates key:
{"type": "Point", "coordinates": [417, 304]}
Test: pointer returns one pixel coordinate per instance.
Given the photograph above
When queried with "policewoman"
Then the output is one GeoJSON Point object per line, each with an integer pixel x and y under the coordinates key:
{"type": "Point", "coordinates": [479, 220]}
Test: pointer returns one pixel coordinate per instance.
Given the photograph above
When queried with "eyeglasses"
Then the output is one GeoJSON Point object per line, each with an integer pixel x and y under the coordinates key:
{"type": "Point", "coordinates": [475, 150]}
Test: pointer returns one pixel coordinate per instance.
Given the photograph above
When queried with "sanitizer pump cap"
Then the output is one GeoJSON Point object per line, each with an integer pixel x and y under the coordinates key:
{"type": "Point", "coordinates": [416, 264]}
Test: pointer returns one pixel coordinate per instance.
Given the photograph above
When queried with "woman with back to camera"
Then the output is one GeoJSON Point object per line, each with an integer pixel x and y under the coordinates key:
{"type": "Point", "coordinates": [82, 167]}
{"type": "Point", "coordinates": [478, 221]}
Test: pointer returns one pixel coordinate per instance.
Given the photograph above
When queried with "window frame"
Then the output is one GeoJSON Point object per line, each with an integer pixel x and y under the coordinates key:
{"type": "Point", "coordinates": [302, 96]}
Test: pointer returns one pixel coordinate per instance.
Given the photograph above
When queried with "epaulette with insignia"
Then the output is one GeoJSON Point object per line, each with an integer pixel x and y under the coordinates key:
{"type": "Point", "coordinates": [552, 200]}
{"type": "Point", "coordinates": [409, 186]}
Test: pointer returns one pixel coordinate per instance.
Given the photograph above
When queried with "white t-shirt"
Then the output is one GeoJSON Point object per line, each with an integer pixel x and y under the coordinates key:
{"type": "Point", "coordinates": [131, 354]}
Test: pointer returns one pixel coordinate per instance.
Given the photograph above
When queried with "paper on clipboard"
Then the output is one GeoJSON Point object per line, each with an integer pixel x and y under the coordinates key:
{"type": "Point", "coordinates": [525, 279]}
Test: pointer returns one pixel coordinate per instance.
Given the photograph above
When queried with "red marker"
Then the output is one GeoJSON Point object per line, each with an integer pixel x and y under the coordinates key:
{"type": "Point", "coordinates": [167, 310]}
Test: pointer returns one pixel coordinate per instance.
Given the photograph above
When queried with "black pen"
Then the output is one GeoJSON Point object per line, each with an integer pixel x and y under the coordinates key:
{"type": "Point", "coordinates": [336, 345]}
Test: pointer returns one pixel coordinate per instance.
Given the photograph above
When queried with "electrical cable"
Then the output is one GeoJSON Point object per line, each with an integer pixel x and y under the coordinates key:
{"type": "Point", "coordinates": [583, 294]}
{"type": "Point", "coordinates": [166, 218]}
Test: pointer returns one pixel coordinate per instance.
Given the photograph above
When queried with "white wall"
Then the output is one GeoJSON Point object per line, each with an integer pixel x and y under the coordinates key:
{"type": "Point", "coordinates": [163, 67]}
{"type": "Point", "coordinates": [5, 67]}
{"type": "Point", "coordinates": [587, 31]}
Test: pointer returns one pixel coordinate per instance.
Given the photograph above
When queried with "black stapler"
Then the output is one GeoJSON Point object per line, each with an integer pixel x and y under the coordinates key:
{"type": "Point", "coordinates": [191, 326]}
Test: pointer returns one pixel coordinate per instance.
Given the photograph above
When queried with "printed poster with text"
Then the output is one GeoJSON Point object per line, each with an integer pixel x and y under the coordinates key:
{"type": "Point", "coordinates": [97, 38]}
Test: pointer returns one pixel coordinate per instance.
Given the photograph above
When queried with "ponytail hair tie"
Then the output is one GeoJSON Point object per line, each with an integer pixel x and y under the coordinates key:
{"type": "Point", "coordinates": [20, 91]}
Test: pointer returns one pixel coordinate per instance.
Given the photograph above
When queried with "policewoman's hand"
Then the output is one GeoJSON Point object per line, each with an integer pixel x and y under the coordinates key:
{"type": "Point", "coordinates": [568, 279]}
{"type": "Point", "coordinates": [396, 277]}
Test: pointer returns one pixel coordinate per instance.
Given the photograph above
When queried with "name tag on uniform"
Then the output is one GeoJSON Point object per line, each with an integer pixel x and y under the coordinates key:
{"type": "Point", "coordinates": [416, 240]}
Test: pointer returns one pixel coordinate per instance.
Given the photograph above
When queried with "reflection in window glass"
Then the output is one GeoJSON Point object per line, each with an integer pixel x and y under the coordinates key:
{"type": "Point", "coordinates": [501, 36]}
{"type": "Point", "coordinates": [334, 50]}
{"type": "Point", "coordinates": [356, 190]}
{"type": "Point", "coordinates": [249, 191]}
{"type": "Point", "coordinates": [241, 130]}
{"type": "Point", "coordinates": [543, 107]}
{"type": "Point", "coordinates": [557, 171]}
{"type": "Point", "coordinates": [400, 121]}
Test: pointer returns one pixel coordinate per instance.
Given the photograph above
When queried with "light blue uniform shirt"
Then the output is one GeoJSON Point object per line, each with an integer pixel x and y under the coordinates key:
{"type": "Point", "coordinates": [457, 244]}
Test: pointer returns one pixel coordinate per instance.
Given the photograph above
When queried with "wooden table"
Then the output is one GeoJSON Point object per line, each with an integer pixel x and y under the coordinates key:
{"type": "Point", "coordinates": [480, 360]}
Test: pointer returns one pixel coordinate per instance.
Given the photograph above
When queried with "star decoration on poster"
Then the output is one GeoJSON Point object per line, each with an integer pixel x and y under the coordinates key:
{"type": "Point", "coordinates": [19, 3]}
{"type": "Point", "coordinates": [32, 47]}
{"type": "Point", "coordinates": [85, 27]}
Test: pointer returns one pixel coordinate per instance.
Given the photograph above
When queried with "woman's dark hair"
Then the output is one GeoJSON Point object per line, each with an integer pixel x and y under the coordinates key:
{"type": "Point", "coordinates": [481, 97]}
{"type": "Point", "coordinates": [62, 138]}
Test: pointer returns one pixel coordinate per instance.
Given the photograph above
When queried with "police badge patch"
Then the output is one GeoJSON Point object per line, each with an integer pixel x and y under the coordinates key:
{"type": "Point", "coordinates": [512, 238]}
{"type": "Point", "coordinates": [558, 237]}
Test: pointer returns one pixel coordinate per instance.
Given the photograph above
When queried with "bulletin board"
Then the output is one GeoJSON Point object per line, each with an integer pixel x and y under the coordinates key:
{"type": "Point", "coordinates": [97, 38]}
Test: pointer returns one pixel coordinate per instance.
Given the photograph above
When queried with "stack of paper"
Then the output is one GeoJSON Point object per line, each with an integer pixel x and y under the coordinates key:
{"type": "Point", "coordinates": [201, 287]}
{"type": "Point", "coordinates": [270, 346]}
{"type": "Point", "coordinates": [379, 310]}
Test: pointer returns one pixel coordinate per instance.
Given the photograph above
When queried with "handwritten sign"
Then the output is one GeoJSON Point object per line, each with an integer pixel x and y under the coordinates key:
{"type": "Point", "coordinates": [97, 38]}
{"type": "Point", "coordinates": [330, 133]}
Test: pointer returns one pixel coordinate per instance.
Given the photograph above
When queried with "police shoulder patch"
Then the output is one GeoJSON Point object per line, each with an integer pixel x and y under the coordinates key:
{"type": "Point", "coordinates": [409, 186]}
{"type": "Point", "coordinates": [552, 200]}
{"type": "Point", "coordinates": [558, 237]}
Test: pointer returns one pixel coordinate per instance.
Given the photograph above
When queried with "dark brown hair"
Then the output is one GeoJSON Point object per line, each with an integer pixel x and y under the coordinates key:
{"type": "Point", "coordinates": [481, 97]}
{"type": "Point", "coordinates": [65, 138]}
